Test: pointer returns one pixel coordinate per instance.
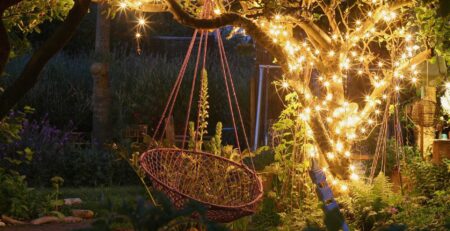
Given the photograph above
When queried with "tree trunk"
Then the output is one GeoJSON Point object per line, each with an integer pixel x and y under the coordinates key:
{"type": "Point", "coordinates": [101, 94]}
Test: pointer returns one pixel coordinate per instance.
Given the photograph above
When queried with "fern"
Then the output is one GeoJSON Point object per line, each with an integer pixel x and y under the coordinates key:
{"type": "Point", "coordinates": [368, 205]}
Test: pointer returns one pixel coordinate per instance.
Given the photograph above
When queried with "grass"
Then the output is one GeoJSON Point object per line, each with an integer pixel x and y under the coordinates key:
{"type": "Point", "coordinates": [96, 198]}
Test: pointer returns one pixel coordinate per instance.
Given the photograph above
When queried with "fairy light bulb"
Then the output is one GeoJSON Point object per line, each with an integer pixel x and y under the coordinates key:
{"type": "Point", "coordinates": [141, 22]}
{"type": "Point", "coordinates": [354, 177]}
{"type": "Point", "coordinates": [138, 35]}
{"type": "Point", "coordinates": [339, 146]}
{"type": "Point", "coordinates": [330, 155]}
{"type": "Point", "coordinates": [352, 167]}
{"type": "Point", "coordinates": [285, 84]}
{"type": "Point", "coordinates": [347, 154]}
{"type": "Point", "coordinates": [217, 11]}
{"type": "Point", "coordinates": [123, 5]}
{"type": "Point", "coordinates": [344, 187]}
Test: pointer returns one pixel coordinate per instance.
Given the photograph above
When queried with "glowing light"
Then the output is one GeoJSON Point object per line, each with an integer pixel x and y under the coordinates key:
{"type": "Point", "coordinates": [285, 84]}
{"type": "Point", "coordinates": [447, 85]}
{"type": "Point", "coordinates": [344, 187]}
{"type": "Point", "coordinates": [347, 154]}
{"type": "Point", "coordinates": [331, 53]}
{"type": "Point", "coordinates": [138, 35]}
{"type": "Point", "coordinates": [217, 11]}
{"type": "Point", "coordinates": [352, 167]}
{"type": "Point", "coordinates": [141, 21]}
{"type": "Point", "coordinates": [330, 155]}
{"type": "Point", "coordinates": [123, 5]}
{"type": "Point", "coordinates": [339, 146]}
{"type": "Point", "coordinates": [354, 177]}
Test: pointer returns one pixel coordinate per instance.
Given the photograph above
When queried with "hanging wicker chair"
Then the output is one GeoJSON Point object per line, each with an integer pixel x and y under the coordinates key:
{"type": "Point", "coordinates": [227, 189]}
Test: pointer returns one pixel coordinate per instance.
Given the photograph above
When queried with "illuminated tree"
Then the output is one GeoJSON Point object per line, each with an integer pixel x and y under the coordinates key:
{"type": "Point", "coordinates": [328, 42]}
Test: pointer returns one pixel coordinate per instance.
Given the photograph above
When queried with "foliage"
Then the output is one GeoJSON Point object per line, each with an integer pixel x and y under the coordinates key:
{"type": "Point", "coordinates": [434, 28]}
{"type": "Point", "coordinates": [27, 16]}
{"type": "Point", "coordinates": [11, 126]}
{"type": "Point", "coordinates": [267, 218]}
{"type": "Point", "coordinates": [427, 178]}
{"type": "Point", "coordinates": [16, 198]}
{"type": "Point", "coordinates": [41, 140]}
{"type": "Point", "coordinates": [143, 215]}
{"type": "Point", "coordinates": [215, 145]}
{"type": "Point", "coordinates": [292, 188]}
{"type": "Point", "coordinates": [368, 206]}
{"type": "Point", "coordinates": [54, 154]}
{"type": "Point", "coordinates": [140, 85]}
{"type": "Point", "coordinates": [392, 164]}
{"type": "Point", "coordinates": [421, 213]}
{"type": "Point", "coordinates": [130, 153]}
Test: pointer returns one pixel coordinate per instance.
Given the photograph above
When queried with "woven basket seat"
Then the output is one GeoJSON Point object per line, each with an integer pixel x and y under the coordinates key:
{"type": "Point", "coordinates": [227, 189]}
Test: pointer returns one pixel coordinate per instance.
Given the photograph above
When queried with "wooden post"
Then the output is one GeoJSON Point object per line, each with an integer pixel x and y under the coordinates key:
{"type": "Point", "coordinates": [170, 131]}
{"type": "Point", "coordinates": [101, 92]}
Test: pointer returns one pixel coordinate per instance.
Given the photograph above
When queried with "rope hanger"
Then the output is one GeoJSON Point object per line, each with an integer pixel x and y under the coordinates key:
{"type": "Point", "coordinates": [232, 100]}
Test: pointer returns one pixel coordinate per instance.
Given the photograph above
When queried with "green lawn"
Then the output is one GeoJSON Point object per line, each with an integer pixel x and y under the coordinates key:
{"type": "Point", "coordinates": [97, 198]}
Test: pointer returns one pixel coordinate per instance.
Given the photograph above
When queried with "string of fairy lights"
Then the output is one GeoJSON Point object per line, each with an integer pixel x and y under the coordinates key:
{"type": "Point", "coordinates": [353, 57]}
{"type": "Point", "coordinates": [345, 118]}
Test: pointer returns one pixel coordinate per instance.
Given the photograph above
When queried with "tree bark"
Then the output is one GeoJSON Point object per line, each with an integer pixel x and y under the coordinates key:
{"type": "Point", "coordinates": [101, 94]}
{"type": "Point", "coordinates": [30, 74]}
{"type": "Point", "coordinates": [5, 46]}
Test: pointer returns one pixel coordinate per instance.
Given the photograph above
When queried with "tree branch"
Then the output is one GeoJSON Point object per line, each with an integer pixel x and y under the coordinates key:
{"type": "Point", "coordinates": [39, 59]}
{"type": "Point", "coordinates": [378, 14]}
{"type": "Point", "coordinates": [377, 92]}
{"type": "Point", "coordinates": [232, 19]}
{"type": "Point", "coordinates": [315, 33]}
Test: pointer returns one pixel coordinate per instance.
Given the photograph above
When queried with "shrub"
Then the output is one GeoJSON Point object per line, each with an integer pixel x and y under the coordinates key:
{"type": "Point", "coordinates": [16, 199]}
